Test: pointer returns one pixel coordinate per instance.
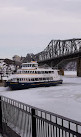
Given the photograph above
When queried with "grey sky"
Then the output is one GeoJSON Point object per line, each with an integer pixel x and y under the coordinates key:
{"type": "Point", "coordinates": [28, 26]}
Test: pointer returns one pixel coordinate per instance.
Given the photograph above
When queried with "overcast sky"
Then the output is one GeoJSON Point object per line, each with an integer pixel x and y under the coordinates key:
{"type": "Point", "coordinates": [27, 26]}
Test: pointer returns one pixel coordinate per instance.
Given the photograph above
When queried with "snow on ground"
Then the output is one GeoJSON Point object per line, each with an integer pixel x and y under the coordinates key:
{"type": "Point", "coordinates": [63, 99]}
{"type": "Point", "coordinates": [70, 73]}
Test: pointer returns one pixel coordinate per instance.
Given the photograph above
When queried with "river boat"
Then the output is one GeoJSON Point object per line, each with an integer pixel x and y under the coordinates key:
{"type": "Point", "coordinates": [32, 76]}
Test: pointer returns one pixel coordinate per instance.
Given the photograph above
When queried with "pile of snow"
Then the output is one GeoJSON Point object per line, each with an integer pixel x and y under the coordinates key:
{"type": "Point", "coordinates": [70, 73]}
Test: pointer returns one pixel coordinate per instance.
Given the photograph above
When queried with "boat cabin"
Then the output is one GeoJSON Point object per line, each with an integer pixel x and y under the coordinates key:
{"type": "Point", "coordinates": [32, 65]}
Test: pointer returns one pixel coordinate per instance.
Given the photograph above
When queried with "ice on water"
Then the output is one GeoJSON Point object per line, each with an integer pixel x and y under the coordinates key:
{"type": "Point", "coordinates": [63, 99]}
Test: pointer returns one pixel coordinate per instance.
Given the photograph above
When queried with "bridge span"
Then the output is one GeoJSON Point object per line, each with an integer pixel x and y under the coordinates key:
{"type": "Point", "coordinates": [58, 50]}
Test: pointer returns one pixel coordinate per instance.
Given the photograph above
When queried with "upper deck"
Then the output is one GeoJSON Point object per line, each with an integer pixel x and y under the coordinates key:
{"type": "Point", "coordinates": [31, 65]}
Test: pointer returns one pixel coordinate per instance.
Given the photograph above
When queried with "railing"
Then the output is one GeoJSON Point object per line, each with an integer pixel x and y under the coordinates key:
{"type": "Point", "coordinates": [21, 120]}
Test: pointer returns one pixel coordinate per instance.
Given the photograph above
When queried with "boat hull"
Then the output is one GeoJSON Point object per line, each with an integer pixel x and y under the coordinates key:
{"type": "Point", "coordinates": [19, 86]}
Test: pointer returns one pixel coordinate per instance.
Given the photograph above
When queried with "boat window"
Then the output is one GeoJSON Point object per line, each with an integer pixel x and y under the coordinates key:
{"type": "Point", "coordinates": [49, 71]}
{"type": "Point", "coordinates": [31, 72]}
{"type": "Point", "coordinates": [32, 79]}
{"type": "Point", "coordinates": [39, 72]}
{"type": "Point", "coordinates": [33, 65]}
{"type": "Point", "coordinates": [51, 78]}
{"type": "Point", "coordinates": [36, 79]}
{"type": "Point", "coordinates": [17, 79]}
{"type": "Point", "coordinates": [40, 79]}
{"type": "Point", "coordinates": [35, 72]}
{"type": "Point", "coordinates": [44, 78]}
{"type": "Point", "coordinates": [46, 72]}
{"type": "Point", "coordinates": [43, 72]}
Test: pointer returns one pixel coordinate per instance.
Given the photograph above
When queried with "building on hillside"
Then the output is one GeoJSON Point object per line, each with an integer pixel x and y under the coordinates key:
{"type": "Point", "coordinates": [7, 67]}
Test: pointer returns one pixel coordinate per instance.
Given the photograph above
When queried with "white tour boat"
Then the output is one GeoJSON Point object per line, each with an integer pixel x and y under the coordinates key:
{"type": "Point", "coordinates": [30, 76]}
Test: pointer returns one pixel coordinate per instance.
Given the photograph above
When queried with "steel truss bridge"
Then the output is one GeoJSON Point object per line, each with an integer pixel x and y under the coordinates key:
{"type": "Point", "coordinates": [60, 49]}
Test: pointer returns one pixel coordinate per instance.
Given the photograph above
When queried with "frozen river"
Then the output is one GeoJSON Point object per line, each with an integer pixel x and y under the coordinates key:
{"type": "Point", "coordinates": [63, 99]}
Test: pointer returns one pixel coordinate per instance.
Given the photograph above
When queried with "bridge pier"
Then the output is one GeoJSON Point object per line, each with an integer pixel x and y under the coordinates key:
{"type": "Point", "coordinates": [79, 67]}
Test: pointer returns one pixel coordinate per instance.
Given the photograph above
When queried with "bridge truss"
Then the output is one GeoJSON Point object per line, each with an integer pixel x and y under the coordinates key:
{"type": "Point", "coordinates": [59, 48]}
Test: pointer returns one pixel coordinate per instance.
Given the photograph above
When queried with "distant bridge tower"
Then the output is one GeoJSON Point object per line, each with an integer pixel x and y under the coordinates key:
{"type": "Point", "coordinates": [79, 67]}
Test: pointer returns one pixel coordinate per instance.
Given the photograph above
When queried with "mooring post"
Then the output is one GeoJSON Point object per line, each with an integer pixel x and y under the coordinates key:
{"type": "Point", "coordinates": [33, 123]}
{"type": "Point", "coordinates": [0, 116]}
